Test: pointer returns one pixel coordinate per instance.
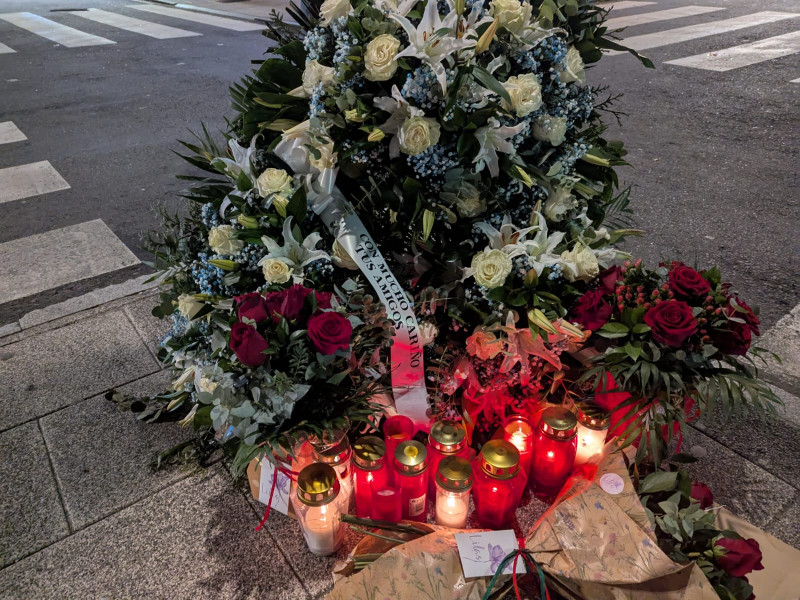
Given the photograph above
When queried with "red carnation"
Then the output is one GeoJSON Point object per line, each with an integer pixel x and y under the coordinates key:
{"type": "Point", "coordinates": [329, 331]}
{"type": "Point", "coordinates": [608, 279]}
{"type": "Point", "coordinates": [686, 283]}
{"type": "Point", "coordinates": [248, 345]}
{"type": "Point", "coordinates": [251, 306]}
{"type": "Point", "coordinates": [591, 310]}
{"type": "Point", "coordinates": [738, 556]}
{"type": "Point", "coordinates": [671, 322]}
{"type": "Point", "coordinates": [702, 493]}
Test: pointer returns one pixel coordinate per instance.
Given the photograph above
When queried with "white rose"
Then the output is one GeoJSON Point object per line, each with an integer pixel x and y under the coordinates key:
{"type": "Point", "coordinates": [417, 134]}
{"type": "Point", "coordinates": [511, 14]}
{"type": "Point", "coordinates": [274, 181]}
{"type": "Point", "coordinates": [223, 241]}
{"type": "Point", "coordinates": [427, 333]}
{"type": "Point", "coordinates": [333, 9]}
{"type": "Point", "coordinates": [550, 129]}
{"type": "Point", "coordinates": [469, 202]}
{"type": "Point", "coordinates": [188, 306]}
{"type": "Point", "coordinates": [525, 93]}
{"type": "Point", "coordinates": [559, 202]}
{"type": "Point", "coordinates": [315, 73]}
{"type": "Point", "coordinates": [573, 69]}
{"type": "Point", "coordinates": [327, 158]}
{"type": "Point", "coordinates": [276, 271]}
{"type": "Point", "coordinates": [579, 264]}
{"type": "Point", "coordinates": [491, 267]}
{"type": "Point", "coordinates": [379, 58]}
{"type": "Point", "coordinates": [341, 258]}
{"type": "Point", "coordinates": [204, 384]}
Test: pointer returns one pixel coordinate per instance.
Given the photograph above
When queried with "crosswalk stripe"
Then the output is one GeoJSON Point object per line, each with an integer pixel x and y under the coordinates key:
{"type": "Point", "coordinates": [5, 49]}
{"type": "Point", "coordinates": [214, 21]}
{"type": "Point", "coordinates": [691, 32]}
{"type": "Point", "coordinates": [744, 55]}
{"type": "Point", "coordinates": [55, 32]}
{"type": "Point", "coordinates": [148, 28]}
{"type": "Point", "coordinates": [795, 80]}
{"type": "Point", "coordinates": [617, 6]}
{"type": "Point", "coordinates": [33, 179]}
{"type": "Point", "coordinates": [660, 15]}
{"type": "Point", "coordinates": [36, 263]}
{"type": "Point", "coordinates": [10, 133]}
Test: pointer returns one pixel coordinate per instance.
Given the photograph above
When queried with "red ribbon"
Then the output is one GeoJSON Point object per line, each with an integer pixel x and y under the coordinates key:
{"type": "Point", "coordinates": [276, 468]}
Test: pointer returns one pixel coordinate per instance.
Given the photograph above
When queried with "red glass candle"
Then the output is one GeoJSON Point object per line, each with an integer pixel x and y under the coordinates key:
{"type": "Point", "coordinates": [396, 429]}
{"type": "Point", "coordinates": [447, 438]}
{"type": "Point", "coordinates": [339, 456]}
{"type": "Point", "coordinates": [411, 474]}
{"type": "Point", "coordinates": [387, 504]}
{"type": "Point", "coordinates": [369, 471]}
{"type": "Point", "coordinates": [499, 484]}
{"type": "Point", "coordinates": [519, 431]}
{"type": "Point", "coordinates": [554, 450]}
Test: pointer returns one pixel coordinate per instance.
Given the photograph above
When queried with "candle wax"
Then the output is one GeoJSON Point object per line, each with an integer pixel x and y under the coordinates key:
{"type": "Point", "coordinates": [452, 508]}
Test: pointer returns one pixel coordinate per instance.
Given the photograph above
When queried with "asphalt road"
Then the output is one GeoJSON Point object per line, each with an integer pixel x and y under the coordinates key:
{"type": "Point", "coordinates": [713, 154]}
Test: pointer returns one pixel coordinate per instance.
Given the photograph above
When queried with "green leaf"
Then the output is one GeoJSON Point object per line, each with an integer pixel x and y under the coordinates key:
{"type": "Point", "coordinates": [641, 328]}
{"type": "Point", "coordinates": [428, 218]}
{"type": "Point", "coordinates": [488, 81]}
{"type": "Point", "coordinates": [613, 330]}
{"type": "Point", "coordinates": [660, 481]}
{"type": "Point", "coordinates": [298, 205]}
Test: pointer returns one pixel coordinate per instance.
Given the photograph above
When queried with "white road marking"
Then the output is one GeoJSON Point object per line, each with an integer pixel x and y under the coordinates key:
{"type": "Point", "coordinates": [44, 261]}
{"type": "Point", "coordinates": [660, 15]}
{"type": "Point", "coordinates": [148, 28]}
{"type": "Point", "coordinates": [10, 133]}
{"type": "Point", "coordinates": [5, 49]}
{"type": "Point", "coordinates": [795, 80]}
{"type": "Point", "coordinates": [214, 21]}
{"type": "Point", "coordinates": [29, 180]}
{"type": "Point", "coordinates": [691, 32]}
{"type": "Point", "coordinates": [55, 32]}
{"type": "Point", "coordinates": [744, 55]}
{"type": "Point", "coordinates": [624, 4]}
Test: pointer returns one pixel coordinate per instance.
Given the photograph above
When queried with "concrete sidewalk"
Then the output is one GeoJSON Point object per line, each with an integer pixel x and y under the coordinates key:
{"type": "Point", "coordinates": [85, 517]}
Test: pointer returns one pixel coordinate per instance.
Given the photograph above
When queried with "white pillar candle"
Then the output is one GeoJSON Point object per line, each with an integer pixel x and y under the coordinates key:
{"type": "Point", "coordinates": [322, 528]}
{"type": "Point", "coordinates": [590, 442]}
{"type": "Point", "coordinates": [452, 508]}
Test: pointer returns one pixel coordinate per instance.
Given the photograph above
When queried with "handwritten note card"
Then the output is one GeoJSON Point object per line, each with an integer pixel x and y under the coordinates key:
{"type": "Point", "coordinates": [482, 552]}
{"type": "Point", "coordinates": [280, 499]}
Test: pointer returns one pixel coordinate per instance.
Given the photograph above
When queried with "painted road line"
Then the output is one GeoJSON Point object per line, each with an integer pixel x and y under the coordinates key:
{"type": "Point", "coordinates": [795, 80]}
{"type": "Point", "coordinates": [692, 32]}
{"type": "Point", "coordinates": [5, 49]}
{"type": "Point", "coordinates": [36, 263]}
{"type": "Point", "coordinates": [205, 19]}
{"type": "Point", "coordinates": [10, 133]}
{"type": "Point", "coordinates": [55, 32]}
{"type": "Point", "coordinates": [660, 15]}
{"type": "Point", "coordinates": [29, 180]}
{"type": "Point", "coordinates": [148, 28]}
{"type": "Point", "coordinates": [624, 4]}
{"type": "Point", "coordinates": [744, 55]}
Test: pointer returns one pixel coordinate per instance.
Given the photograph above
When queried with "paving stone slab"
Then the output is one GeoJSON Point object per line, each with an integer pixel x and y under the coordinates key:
{"type": "Point", "coordinates": [194, 540]}
{"type": "Point", "coordinates": [787, 521]}
{"type": "Point", "coordinates": [150, 385]}
{"type": "Point", "coordinates": [31, 516]}
{"type": "Point", "coordinates": [149, 327]}
{"type": "Point", "coordinates": [102, 458]}
{"type": "Point", "coordinates": [43, 373]}
{"type": "Point", "coordinates": [784, 340]}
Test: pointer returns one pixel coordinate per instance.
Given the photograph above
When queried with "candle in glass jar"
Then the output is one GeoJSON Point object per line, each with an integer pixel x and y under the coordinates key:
{"type": "Point", "coordinates": [447, 438]}
{"type": "Point", "coordinates": [318, 510]}
{"type": "Point", "coordinates": [593, 424]}
{"type": "Point", "coordinates": [499, 484]}
{"type": "Point", "coordinates": [368, 472]}
{"type": "Point", "coordinates": [453, 484]}
{"type": "Point", "coordinates": [387, 504]}
{"type": "Point", "coordinates": [338, 455]}
{"type": "Point", "coordinates": [553, 450]}
{"type": "Point", "coordinates": [396, 429]}
{"type": "Point", "coordinates": [519, 431]}
{"type": "Point", "coordinates": [411, 473]}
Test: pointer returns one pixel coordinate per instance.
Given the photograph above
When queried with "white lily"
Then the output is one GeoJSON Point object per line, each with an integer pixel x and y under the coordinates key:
{"type": "Point", "coordinates": [494, 138]}
{"type": "Point", "coordinates": [509, 238]}
{"type": "Point", "coordinates": [400, 110]}
{"type": "Point", "coordinates": [293, 253]}
{"type": "Point", "coordinates": [393, 7]}
{"type": "Point", "coordinates": [240, 163]}
{"type": "Point", "coordinates": [541, 249]}
{"type": "Point", "coordinates": [467, 25]}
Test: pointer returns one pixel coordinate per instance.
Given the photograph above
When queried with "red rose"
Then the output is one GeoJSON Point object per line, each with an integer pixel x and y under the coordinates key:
{"type": "Point", "coordinates": [329, 331]}
{"type": "Point", "coordinates": [671, 322]}
{"type": "Point", "coordinates": [736, 337]}
{"type": "Point", "coordinates": [702, 493]}
{"type": "Point", "coordinates": [608, 279]}
{"type": "Point", "coordinates": [591, 310]}
{"type": "Point", "coordinates": [251, 306]}
{"type": "Point", "coordinates": [248, 345]}
{"type": "Point", "coordinates": [293, 303]}
{"type": "Point", "coordinates": [323, 299]}
{"type": "Point", "coordinates": [686, 283]}
{"type": "Point", "coordinates": [738, 556]}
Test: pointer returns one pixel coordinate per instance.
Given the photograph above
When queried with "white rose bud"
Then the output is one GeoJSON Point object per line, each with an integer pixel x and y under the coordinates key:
{"type": "Point", "coordinates": [491, 267]}
{"type": "Point", "coordinates": [188, 306]}
{"type": "Point", "coordinates": [512, 14]}
{"type": "Point", "coordinates": [550, 129]}
{"type": "Point", "coordinates": [579, 264]}
{"type": "Point", "coordinates": [573, 69]}
{"type": "Point", "coordinates": [559, 202]}
{"type": "Point", "coordinates": [315, 73]}
{"type": "Point", "coordinates": [525, 93]}
{"type": "Point", "coordinates": [274, 181]}
{"type": "Point", "coordinates": [469, 202]}
{"type": "Point", "coordinates": [417, 134]}
{"type": "Point", "coordinates": [276, 271]}
{"type": "Point", "coordinates": [327, 159]}
{"type": "Point", "coordinates": [341, 258]}
{"type": "Point", "coordinates": [379, 58]}
{"type": "Point", "coordinates": [333, 9]}
{"type": "Point", "coordinates": [427, 333]}
{"type": "Point", "coordinates": [223, 241]}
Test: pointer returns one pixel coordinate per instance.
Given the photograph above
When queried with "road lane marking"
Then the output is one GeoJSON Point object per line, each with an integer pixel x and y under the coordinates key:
{"type": "Point", "coordinates": [148, 28]}
{"type": "Point", "coordinates": [214, 21]}
{"type": "Point", "coordinates": [744, 55]}
{"type": "Point", "coordinates": [33, 179]}
{"type": "Point", "coordinates": [795, 80]}
{"type": "Point", "coordinates": [10, 133]}
{"type": "Point", "coordinates": [36, 263]}
{"type": "Point", "coordinates": [624, 4]}
{"type": "Point", "coordinates": [660, 15]}
{"type": "Point", "coordinates": [55, 32]}
{"type": "Point", "coordinates": [692, 32]}
{"type": "Point", "coordinates": [5, 49]}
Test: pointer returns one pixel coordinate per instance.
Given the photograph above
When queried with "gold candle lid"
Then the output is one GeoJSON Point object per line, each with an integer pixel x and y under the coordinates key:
{"type": "Point", "coordinates": [558, 422]}
{"type": "Point", "coordinates": [500, 459]}
{"type": "Point", "coordinates": [454, 474]}
{"type": "Point", "coordinates": [335, 454]}
{"type": "Point", "coordinates": [447, 437]}
{"type": "Point", "coordinates": [317, 484]}
{"type": "Point", "coordinates": [410, 457]}
{"type": "Point", "coordinates": [592, 416]}
{"type": "Point", "coordinates": [369, 452]}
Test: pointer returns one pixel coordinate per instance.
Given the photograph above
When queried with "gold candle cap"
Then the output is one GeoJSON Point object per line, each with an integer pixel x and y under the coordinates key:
{"type": "Point", "coordinates": [369, 452]}
{"type": "Point", "coordinates": [592, 416]}
{"type": "Point", "coordinates": [454, 474]}
{"type": "Point", "coordinates": [559, 423]}
{"type": "Point", "coordinates": [447, 437]}
{"type": "Point", "coordinates": [335, 454]}
{"type": "Point", "coordinates": [500, 459]}
{"type": "Point", "coordinates": [410, 457]}
{"type": "Point", "coordinates": [317, 484]}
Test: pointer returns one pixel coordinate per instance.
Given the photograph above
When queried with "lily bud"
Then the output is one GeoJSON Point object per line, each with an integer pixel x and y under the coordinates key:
{"type": "Point", "coordinates": [247, 222]}
{"type": "Point", "coordinates": [524, 177]}
{"type": "Point", "coordinates": [459, 7]}
{"type": "Point", "coordinates": [221, 263]}
{"type": "Point", "coordinates": [376, 135]}
{"type": "Point", "coordinates": [487, 37]}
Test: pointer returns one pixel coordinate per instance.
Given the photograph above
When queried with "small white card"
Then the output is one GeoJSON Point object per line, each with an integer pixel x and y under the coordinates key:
{"type": "Point", "coordinates": [483, 551]}
{"type": "Point", "coordinates": [283, 485]}
{"type": "Point", "coordinates": [612, 483]}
